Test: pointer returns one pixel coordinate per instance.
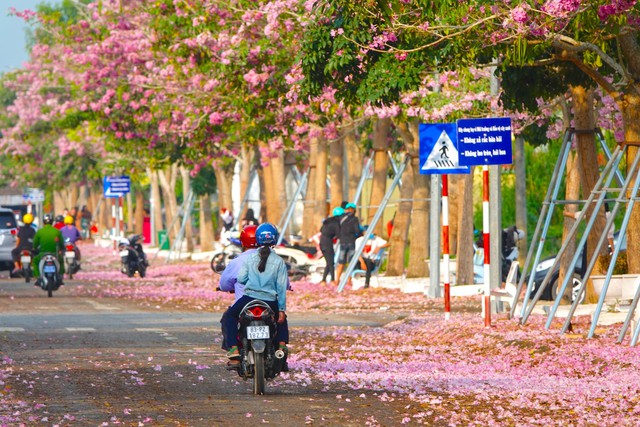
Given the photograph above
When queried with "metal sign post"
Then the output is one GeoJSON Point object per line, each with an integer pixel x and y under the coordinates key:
{"type": "Point", "coordinates": [486, 142]}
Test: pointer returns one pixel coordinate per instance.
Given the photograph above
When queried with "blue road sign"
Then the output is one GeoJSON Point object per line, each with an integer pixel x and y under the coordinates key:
{"type": "Point", "coordinates": [484, 141]}
{"type": "Point", "coordinates": [116, 186]}
{"type": "Point", "coordinates": [438, 151]}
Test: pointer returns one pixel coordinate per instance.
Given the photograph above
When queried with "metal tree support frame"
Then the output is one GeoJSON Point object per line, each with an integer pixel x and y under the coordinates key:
{"type": "Point", "coordinates": [596, 199]}
{"type": "Point", "coordinates": [372, 225]}
{"type": "Point", "coordinates": [288, 214]}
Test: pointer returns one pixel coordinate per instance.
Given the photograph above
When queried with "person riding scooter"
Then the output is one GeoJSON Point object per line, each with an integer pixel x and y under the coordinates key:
{"type": "Point", "coordinates": [71, 234]}
{"type": "Point", "coordinates": [47, 239]}
{"type": "Point", "coordinates": [24, 241]}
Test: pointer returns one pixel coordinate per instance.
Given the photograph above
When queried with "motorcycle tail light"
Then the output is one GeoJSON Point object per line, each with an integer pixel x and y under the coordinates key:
{"type": "Point", "coordinates": [69, 247]}
{"type": "Point", "coordinates": [14, 231]}
{"type": "Point", "coordinates": [256, 311]}
{"type": "Point", "coordinates": [309, 256]}
{"type": "Point", "coordinates": [26, 253]}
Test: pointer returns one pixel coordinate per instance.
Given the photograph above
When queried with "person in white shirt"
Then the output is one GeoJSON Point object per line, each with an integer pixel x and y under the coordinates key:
{"type": "Point", "coordinates": [369, 256]}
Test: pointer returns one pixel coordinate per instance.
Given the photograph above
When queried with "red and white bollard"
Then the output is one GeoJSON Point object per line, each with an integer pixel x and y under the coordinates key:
{"type": "Point", "coordinates": [445, 246]}
{"type": "Point", "coordinates": [486, 246]}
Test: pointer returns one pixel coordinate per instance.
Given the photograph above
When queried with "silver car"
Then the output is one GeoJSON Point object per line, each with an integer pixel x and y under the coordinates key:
{"type": "Point", "coordinates": [8, 232]}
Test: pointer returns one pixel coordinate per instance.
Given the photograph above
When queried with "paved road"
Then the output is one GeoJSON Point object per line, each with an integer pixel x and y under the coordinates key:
{"type": "Point", "coordinates": [93, 361]}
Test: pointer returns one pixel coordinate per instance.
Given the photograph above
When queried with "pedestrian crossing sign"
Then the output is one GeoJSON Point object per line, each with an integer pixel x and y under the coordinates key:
{"type": "Point", "coordinates": [439, 149]}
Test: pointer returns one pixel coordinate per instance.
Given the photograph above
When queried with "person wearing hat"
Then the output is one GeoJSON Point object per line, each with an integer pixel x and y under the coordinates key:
{"type": "Point", "coordinates": [350, 230]}
{"type": "Point", "coordinates": [24, 241]}
{"type": "Point", "coordinates": [329, 232]}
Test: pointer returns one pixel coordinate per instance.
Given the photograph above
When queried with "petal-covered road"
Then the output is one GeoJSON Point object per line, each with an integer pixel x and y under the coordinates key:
{"type": "Point", "coordinates": [444, 373]}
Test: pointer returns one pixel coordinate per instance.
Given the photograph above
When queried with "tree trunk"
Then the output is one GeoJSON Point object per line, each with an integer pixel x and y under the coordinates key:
{"type": "Point", "coordinates": [139, 213]}
{"type": "Point", "coordinates": [274, 181]}
{"type": "Point", "coordinates": [420, 241]}
{"type": "Point", "coordinates": [521, 197]}
{"type": "Point", "coordinates": [355, 163]}
{"type": "Point", "coordinates": [464, 253]}
{"type": "Point", "coordinates": [402, 218]}
{"type": "Point", "coordinates": [247, 156]}
{"type": "Point", "coordinates": [156, 203]}
{"type": "Point", "coordinates": [380, 170]}
{"type": "Point", "coordinates": [320, 195]}
{"type": "Point", "coordinates": [168, 179]}
{"type": "Point", "coordinates": [309, 227]}
{"type": "Point", "coordinates": [631, 115]}
{"type": "Point", "coordinates": [572, 192]}
{"type": "Point", "coordinates": [186, 189]}
{"type": "Point", "coordinates": [207, 234]}
{"type": "Point", "coordinates": [336, 165]}
{"type": "Point", "coordinates": [224, 176]}
{"type": "Point", "coordinates": [129, 220]}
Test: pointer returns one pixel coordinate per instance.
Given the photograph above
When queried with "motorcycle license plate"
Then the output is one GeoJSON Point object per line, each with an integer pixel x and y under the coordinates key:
{"type": "Point", "coordinates": [70, 254]}
{"type": "Point", "coordinates": [258, 332]}
{"type": "Point", "coordinates": [49, 269]}
{"type": "Point", "coordinates": [124, 253]}
{"type": "Point", "coordinates": [25, 259]}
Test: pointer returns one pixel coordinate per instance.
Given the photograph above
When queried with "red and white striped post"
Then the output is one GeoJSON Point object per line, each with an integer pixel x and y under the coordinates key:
{"type": "Point", "coordinates": [486, 245]}
{"type": "Point", "coordinates": [113, 224]}
{"type": "Point", "coordinates": [445, 246]}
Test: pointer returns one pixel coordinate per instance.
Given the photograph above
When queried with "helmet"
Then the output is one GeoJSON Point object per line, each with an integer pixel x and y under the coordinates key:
{"type": "Point", "coordinates": [267, 234]}
{"type": "Point", "coordinates": [47, 219]}
{"type": "Point", "coordinates": [248, 236]}
{"type": "Point", "coordinates": [68, 219]}
{"type": "Point", "coordinates": [27, 218]}
{"type": "Point", "coordinates": [350, 206]}
{"type": "Point", "coordinates": [338, 211]}
{"type": "Point", "coordinates": [59, 218]}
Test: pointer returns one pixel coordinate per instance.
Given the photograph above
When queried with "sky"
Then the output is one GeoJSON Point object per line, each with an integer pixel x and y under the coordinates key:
{"type": "Point", "coordinates": [13, 51]}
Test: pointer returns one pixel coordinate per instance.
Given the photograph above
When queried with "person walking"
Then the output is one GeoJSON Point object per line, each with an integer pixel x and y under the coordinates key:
{"type": "Point", "coordinates": [349, 231]}
{"type": "Point", "coordinates": [329, 232]}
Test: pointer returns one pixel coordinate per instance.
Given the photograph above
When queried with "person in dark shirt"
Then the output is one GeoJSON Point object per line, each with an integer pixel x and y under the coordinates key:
{"type": "Point", "coordinates": [350, 230]}
{"type": "Point", "coordinates": [330, 231]}
{"type": "Point", "coordinates": [24, 241]}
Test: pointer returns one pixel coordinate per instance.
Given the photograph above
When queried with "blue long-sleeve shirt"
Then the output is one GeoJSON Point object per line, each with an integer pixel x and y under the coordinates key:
{"type": "Point", "coordinates": [270, 285]}
{"type": "Point", "coordinates": [229, 277]}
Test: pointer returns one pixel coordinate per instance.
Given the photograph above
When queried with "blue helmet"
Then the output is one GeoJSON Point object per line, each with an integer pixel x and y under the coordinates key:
{"type": "Point", "coordinates": [267, 234]}
{"type": "Point", "coordinates": [338, 211]}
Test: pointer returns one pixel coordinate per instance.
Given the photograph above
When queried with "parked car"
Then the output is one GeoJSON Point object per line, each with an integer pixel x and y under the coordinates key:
{"type": "Point", "coordinates": [8, 233]}
{"type": "Point", "coordinates": [551, 291]}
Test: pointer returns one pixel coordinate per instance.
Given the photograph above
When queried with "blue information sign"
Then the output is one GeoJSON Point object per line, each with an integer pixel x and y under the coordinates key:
{"type": "Point", "coordinates": [438, 151]}
{"type": "Point", "coordinates": [484, 141]}
{"type": "Point", "coordinates": [116, 186]}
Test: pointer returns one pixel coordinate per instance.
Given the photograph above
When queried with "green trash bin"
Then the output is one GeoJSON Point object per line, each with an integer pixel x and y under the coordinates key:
{"type": "Point", "coordinates": [163, 240]}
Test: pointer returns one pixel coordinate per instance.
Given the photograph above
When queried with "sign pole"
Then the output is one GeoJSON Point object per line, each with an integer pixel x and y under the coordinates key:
{"type": "Point", "coordinates": [114, 224]}
{"type": "Point", "coordinates": [445, 246]}
{"type": "Point", "coordinates": [486, 241]}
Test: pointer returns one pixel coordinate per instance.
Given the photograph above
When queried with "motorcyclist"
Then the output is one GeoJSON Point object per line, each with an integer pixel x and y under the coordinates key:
{"type": "Point", "coordinates": [264, 276]}
{"type": "Point", "coordinates": [24, 241]}
{"type": "Point", "coordinates": [47, 239]}
{"type": "Point", "coordinates": [58, 222]}
{"type": "Point", "coordinates": [71, 234]}
{"type": "Point", "coordinates": [330, 231]}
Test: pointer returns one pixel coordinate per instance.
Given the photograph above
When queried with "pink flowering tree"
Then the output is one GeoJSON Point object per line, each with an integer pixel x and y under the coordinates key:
{"type": "Point", "coordinates": [599, 38]}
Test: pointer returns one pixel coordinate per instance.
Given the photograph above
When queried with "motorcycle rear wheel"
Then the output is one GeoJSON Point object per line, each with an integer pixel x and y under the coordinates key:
{"type": "Point", "coordinates": [26, 271]}
{"type": "Point", "coordinates": [142, 269]}
{"type": "Point", "coordinates": [258, 374]}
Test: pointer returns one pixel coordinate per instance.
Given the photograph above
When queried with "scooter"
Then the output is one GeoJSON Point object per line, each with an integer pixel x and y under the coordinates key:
{"type": "Point", "coordinates": [72, 265]}
{"type": "Point", "coordinates": [230, 250]}
{"type": "Point", "coordinates": [132, 256]}
{"type": "Point", "coordinates": [50, 278]}
{"type": "Point", "coordinates": [25, 261]}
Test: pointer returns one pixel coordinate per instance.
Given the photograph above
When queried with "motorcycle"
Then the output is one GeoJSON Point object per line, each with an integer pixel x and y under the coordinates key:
{"type": "Point", "coordinates": [72, 265]}
{"type": "Point", "coordinates": [50, 278]}
{"type": "Point", "coordinates": [132, 256]}
{"type": "Point", "coordinates": [25, 262]}
{"type": "Point", "coordinates": [509, 253]}
{"type": "Point", "coordinates": [230, 250]}
{"type": "Point", "coordinates": [259, 358]}
{"type": "Point", "coordinates": [300, 263]}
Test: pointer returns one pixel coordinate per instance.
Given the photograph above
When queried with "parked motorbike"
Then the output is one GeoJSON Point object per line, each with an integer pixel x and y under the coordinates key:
{"type": "Point", "coordinates": [50, 278]}
{"type": "Point", "coordinates": [300, 263]}
{"type": "Point", "coordinates": [259, 358]}
{"type": "Point", "coordinates": [25, 262]}
{"type": "Point", "coordinates": [72, 265]}
{"type": "Point", "coordinates": [229, 251]}
{"type": "Point", "coordinates": [132, 256]}
{"type": "Point", "coordinates": [509, 253]}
